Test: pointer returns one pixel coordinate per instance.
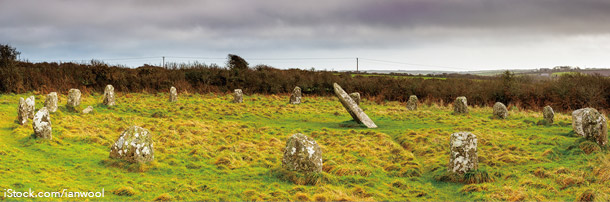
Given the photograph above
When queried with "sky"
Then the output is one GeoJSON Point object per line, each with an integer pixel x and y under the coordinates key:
{"type": "Point", "coordinates": [448, 35]}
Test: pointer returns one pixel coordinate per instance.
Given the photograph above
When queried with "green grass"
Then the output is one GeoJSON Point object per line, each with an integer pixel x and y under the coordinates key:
{"type": "Point", "coordinates": [207, 148]}
{"type": "Point", "coordinates": [400, 76]}
{"type": "Point", "coordinates": [564, 73]}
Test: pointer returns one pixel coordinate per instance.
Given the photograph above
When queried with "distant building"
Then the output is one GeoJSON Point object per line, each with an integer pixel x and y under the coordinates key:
{"type": "Point", "coordinates": [562, 68]}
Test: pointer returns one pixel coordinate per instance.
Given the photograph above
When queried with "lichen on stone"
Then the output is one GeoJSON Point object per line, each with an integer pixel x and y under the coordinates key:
{"type": "Point", "coordinates": [135, 145]}
{"type": "Point", "coordinates": [302, 154]}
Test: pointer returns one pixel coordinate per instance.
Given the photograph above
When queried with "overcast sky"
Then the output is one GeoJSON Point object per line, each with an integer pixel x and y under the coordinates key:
{"type": "Point", "coordinates": [327, 34]}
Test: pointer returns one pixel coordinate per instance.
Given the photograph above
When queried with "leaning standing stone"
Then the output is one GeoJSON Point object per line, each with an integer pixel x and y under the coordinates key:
{"type": "Point", "coordinates": [500, 110]}
{"type": "Point", "coordinates": [302, 154]}
{"type": "Point", "coordinates": [295, 98]}
{"type": "Point", "coordinates": [460, 106]}
{"type": "Point", "coordinates": [352, 108]}
{"type": "Point", "coordinates": [87, 110]}
{"type": "Point", "coordinates": [73, 98]}
{"type": "Point", "coordinates": [238, 96]}
{"type": "Point", "coordinates": [590, 124]}
{"type": "Point", "coordinates": [108, 95]}
{"type": "Point", "coordinates": [134, 145]}
{"type": "Point", "coordinates": [22, 113]}
{"type": "Point", "coordinates": [412, 103]}
{"type": "Point", "coordinates": [356, 97]}
{"type": "Point", "coordinates": [173, 94]}
{"type": "Point", "coordinates": [548, 114]}
{"type": "Point", "coordinates": [463, 157]}
{"type": "Point", "coordinates": [42, 124]}
{"type": "Point", "coordinates": [51, 102]}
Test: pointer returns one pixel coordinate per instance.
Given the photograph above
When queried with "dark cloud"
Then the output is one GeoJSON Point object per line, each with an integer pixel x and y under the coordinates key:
{"type": "Point", "coordinates": [245, 25]}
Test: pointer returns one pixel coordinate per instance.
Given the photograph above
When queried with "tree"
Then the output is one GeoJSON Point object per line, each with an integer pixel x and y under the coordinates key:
{"type": "Point", "coordinates": [8, 55]}
{"type": "Point", "coordinates": [236, 63]}
{"type": "Point", "coordinates": [508, 82]}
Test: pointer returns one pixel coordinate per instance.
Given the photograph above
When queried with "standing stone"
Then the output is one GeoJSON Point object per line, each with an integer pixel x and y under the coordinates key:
{"type": "Point", "coordinates": [352, 108]}
{"type": "Point", "coordinates": [460, 106]}
{"type": "Point", "coordinates": [42, 124]}
{"type": "Point", "coordinates": [87, 110]}
{"type": "Point", "coordinates": [31, 106]}
{"type": "Point", "coordinates": [238, 96]}
{"type": "Point", "coordinates": [22, 113]}
{"type": "Point", "coordinates": [356, 97]}
{"type": "Point", "coordinates": [548, 114]}
{"type": "Point", "coordinates": [463, 157]}
{"type": "Point", "coordinates": [108, 95]}
{"type": "Point", "coordinates": [500, 110]}
{"type": "Point", "coordinates": [134, 145]}
{"type": "Point", "coordinates": [590, 124]}
{"type": "Point", "coordinates": [302, 154]}
{"type": "Point", "coordinates": [412, 103]}
{"type": "Point", "coordinates": [173, 94]}
{"type": "Point", "coordinates": [51, 102]}
{"type": "Point", "coordinates": [73, 98]}
{"type": "Point", "coordinates": [295, 98]}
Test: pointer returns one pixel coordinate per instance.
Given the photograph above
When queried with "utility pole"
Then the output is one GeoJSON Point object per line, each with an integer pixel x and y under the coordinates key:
{"type": "Point", "coordinates": [356, 65]}
{"type": "Point", "coordinates": [163, 61]}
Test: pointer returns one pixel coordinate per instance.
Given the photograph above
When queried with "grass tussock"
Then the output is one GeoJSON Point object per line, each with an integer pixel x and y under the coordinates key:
{"type": "Point", "coordinates": [470, 177]}
{"type": "Point", "coordinates": [299, 178]}
{"type": "Point", "coordinates": [589, 147]}
{"type": "Point", "coordinates": [164, 197]}
{"type": "Point", "coordinates": [588, 196]}
{"type": "Point", "coordinates": [124, 191]}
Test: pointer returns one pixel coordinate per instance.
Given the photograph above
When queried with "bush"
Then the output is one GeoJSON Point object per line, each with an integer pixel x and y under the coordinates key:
{"type": "Point", "coordinates": [8, 55]}
{"type": "Point", "coordinates": [568, 92]}
{"type": "Point", "coordinates": [236, 62]}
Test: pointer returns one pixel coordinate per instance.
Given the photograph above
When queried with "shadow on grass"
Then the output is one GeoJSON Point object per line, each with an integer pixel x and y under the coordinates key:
{"type": "Point", "coordinates": [125, 165]}
{"type": "Point", "coordinates": [299, 178]}
{"type": "Point", "coordinates": [471, 177]}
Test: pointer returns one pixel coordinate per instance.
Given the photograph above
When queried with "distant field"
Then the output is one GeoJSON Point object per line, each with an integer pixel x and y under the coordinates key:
{"type": "Point", "coordinates": [207, 148]}
{"type": "Point", "coordinates": [399, 76]}
{"type": "Point", "coordinates": [395, 76]}
{"type": "Point", "coordinates": [563, 73]}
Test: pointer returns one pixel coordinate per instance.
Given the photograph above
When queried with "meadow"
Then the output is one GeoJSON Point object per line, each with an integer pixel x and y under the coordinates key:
{"type": "Point", "coordinates": [207, 148]}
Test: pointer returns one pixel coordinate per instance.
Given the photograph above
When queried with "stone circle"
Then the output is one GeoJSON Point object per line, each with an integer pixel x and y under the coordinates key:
{"type": "Point", "coordinates": [590, 124]}
{"type": "Point", "coordinates": [295, 98]}
{"type": "Point", "coordinates": [548, 114]}
{"type": "Point", "coordinates": [238, 96]}
{"type": "Point", "coordinates": [108, 96]}
{"type": "Point", "coordinates": [73, 99]}
{"type": "Point", "coordinates": [42, 124]}
{"type": "Point", "coordinates": [134, 145]}
{"type": "Point", "coordinates": [51, 102]}
{"type": "Point", "coordinates": [302, 154]}
{"type": "Point", "coordinates": [352, 108]}
{"type": "Point", "coordinates": [356, 97]}
{"type": "Point", "coordinates": [500, 110]}
{"type": "Point", "coordinates": [173, 94]}
{"type": "Point", "coordinates": [412, 103]}
{"type": "Point", "coordinates": [460, 106]}
{"type": "Point", "coordinates": [463, 156]}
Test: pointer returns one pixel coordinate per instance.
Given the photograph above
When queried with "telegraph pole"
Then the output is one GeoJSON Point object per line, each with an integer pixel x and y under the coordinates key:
{"type": "Point", "coordinates": [356, 65]}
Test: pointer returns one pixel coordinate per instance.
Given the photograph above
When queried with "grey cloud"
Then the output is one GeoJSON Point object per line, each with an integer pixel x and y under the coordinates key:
{"type": "Point", "coordinates": [100, 26]}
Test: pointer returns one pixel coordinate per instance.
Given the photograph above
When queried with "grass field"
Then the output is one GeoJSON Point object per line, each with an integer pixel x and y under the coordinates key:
{"type": "Point", "coordinates": [400, 76]}
{"type": "Point", "coordinates": [564, 73]}
{"type": "Point", "coordinates": [207, 148]}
